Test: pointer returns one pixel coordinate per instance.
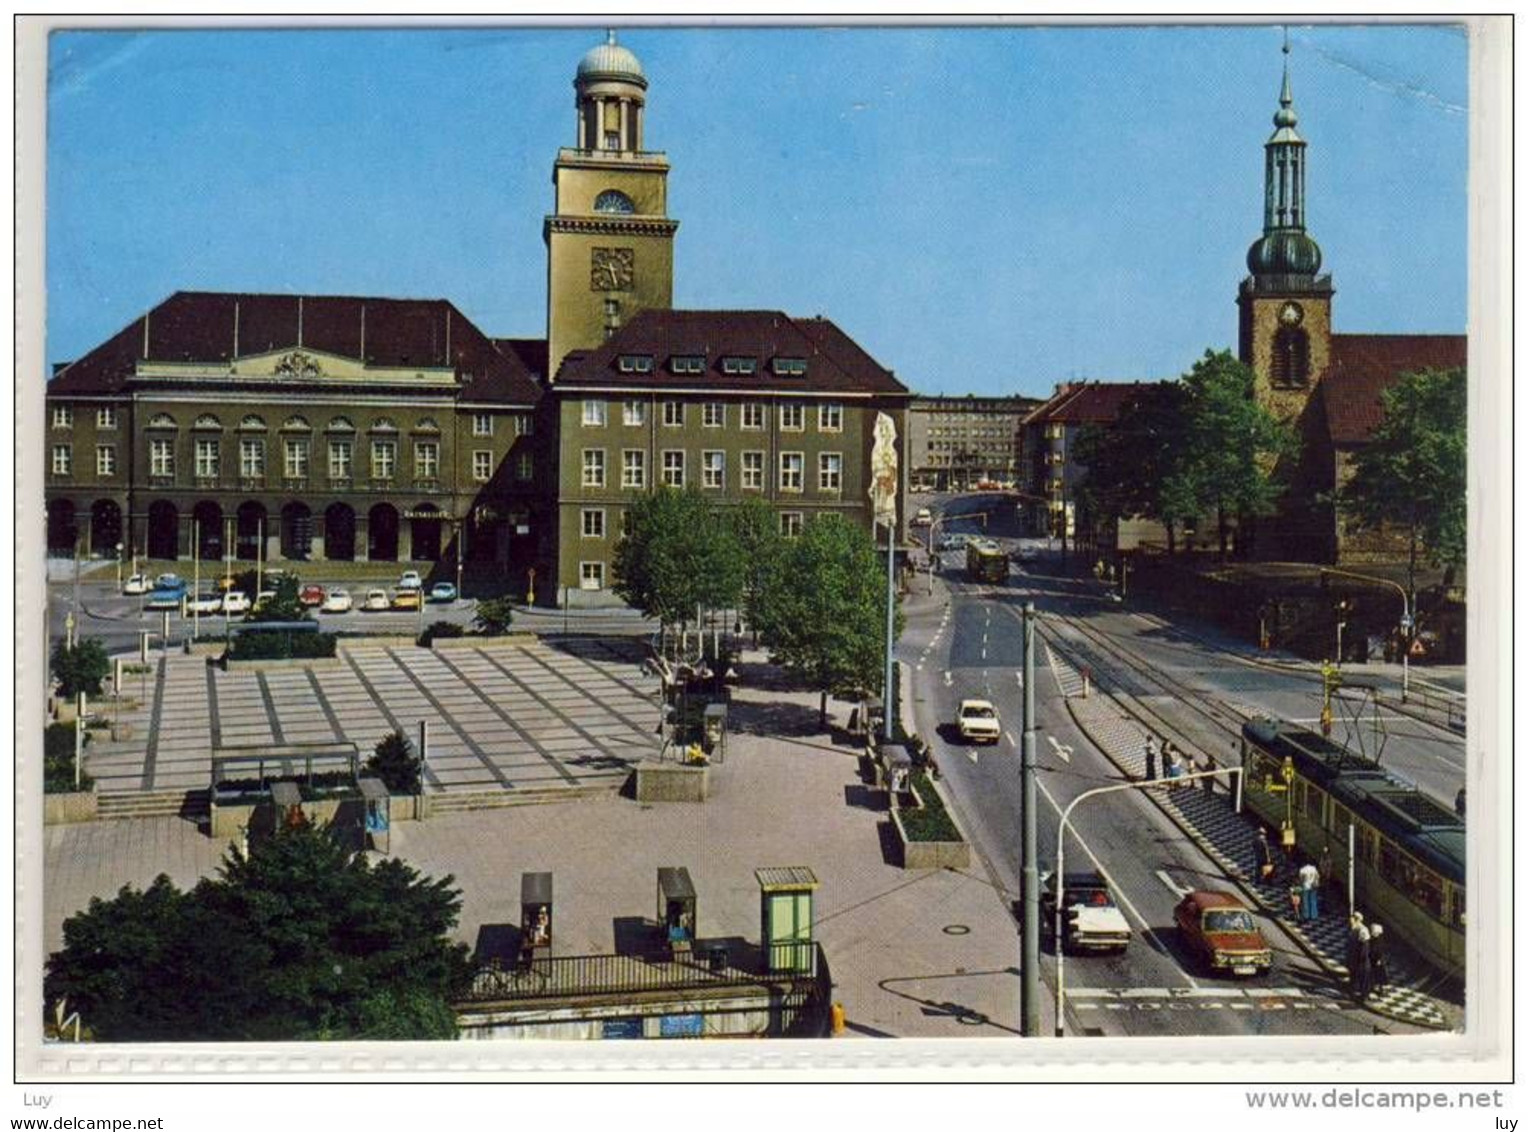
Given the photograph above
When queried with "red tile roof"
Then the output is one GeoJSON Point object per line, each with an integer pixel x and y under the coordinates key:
{"type": "Point", "coordinates": [199, 326]}
{"type": "Point", "coordinates": [835, 363]}
{"type": "Point", "coordinates": [1363, 366]}
{"type": "Point", "coordinates": [1089, 402]}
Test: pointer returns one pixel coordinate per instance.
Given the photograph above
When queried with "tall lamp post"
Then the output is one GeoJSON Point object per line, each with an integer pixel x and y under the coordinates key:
{"type": "Point", "coordinates": [1030, 878]}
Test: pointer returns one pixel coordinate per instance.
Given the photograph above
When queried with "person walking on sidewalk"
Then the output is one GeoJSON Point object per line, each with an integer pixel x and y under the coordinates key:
{"type": "Point", "coordinates": [1358, 957]}
{"type": "Point", "coordinates": [1151, 758]}
{"type": "Point", "coordinates": [1310, 881]}
{"type": "Point", "coordinates": [1379, 970]}
{"type": "Point", "coordinates": [1262, 856]}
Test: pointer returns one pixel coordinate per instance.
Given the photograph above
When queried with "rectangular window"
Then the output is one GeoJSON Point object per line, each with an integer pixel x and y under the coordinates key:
{"type": "Point", "coordinates": [625, 524]}
{"type": "Point", "coordinates": [525, 466]}
{"type": "Point", "coordinates": [753, 471]}
{"type": "Point", "coordinates": [791, 464]}
{"type": "Point", "coordinates": [339, 459]}
{"type": "Point", "coordinates": [634, 468]}
{"type": "Point", "coordinates": [790, 523]}
{"type": "Point", "coordinates": [633, 413]}
{"type": "Point", "coordinates": [106, 460]}
{"type": "Point", "coordinates": [713, 414]}
{"type": "Point", "coordinates": [594, 414]}
{"type": "Point", "coordinates": [384, 459]}
{"type": "Point", "coordinates": [591, 575]}
{"type": "Point", "coordinates": [740, 365]}
{"type": "Point", "coordinates": [673, 414]}
{"type": "Point", "coordinates": [594, 467]}
{"type": "Point", "coordinates": [106, 418]}
{"type": "Point", "coordinates": [688, 363]}
{"type": "Point", "coordinates": [63, 459]}
{"type": "Point", "coordinates": [594, 522]}
{"type": "Point", "coordinates": [790, 367]}
{"type": "Point", "coordinates": [753, 414]}
{"type": "Point", "coordinates": [525, 424]}
{"type": "Point", "coordinates": [713, 469]}
{"type": "Point", "coordinates": [252, 458]}
{"type": "Point", "coordinates": [673, 469]}
{"type": "Point", "coordinates": [209, 459]}
{"type": "Point", "coordinates": [482, 465]}
{"type": "Point", "coordinates": [830, 417]}
{"type": "Point", "coordinates": [830, 471]}
{"type": "Point", "coordinates": [792, 417]}
{"type": "Point", "coordinates": [63, 416]}
{"type": "Point", "coordinates": [632, 363]}
{"type": "Point", "coordinates": [482, 424]}
{"type": "Point", "coordinates": [426, 460]}
{"type": "Point", "coordinates": [161, 457]}
{"type": "Point", "coordinates": [296, 462]}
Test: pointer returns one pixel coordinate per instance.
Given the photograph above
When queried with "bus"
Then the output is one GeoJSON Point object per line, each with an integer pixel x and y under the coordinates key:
{"type": "Point", "coordinates": [985, 561]}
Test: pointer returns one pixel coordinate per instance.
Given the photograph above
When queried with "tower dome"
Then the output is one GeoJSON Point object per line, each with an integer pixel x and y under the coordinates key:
{"type": "Point", "coordinates": [1284, 252]}
{"type": "Point", "coordinates": [609, 60]}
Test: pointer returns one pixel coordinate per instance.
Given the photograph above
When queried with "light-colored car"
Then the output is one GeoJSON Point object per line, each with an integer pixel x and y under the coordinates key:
{"type": "Point", "coordinates": [376, 600]}
{"type": "Point", "coordinates": [442, 591]}
{"type": "Point", "coordinates": [1091, 921]}
{"type": "Point", "coordinates": [208, 601]}
{"type": "Point", "coordinates": [236, 601]}
{"type": "Point", "coordinates": [337, 601]}
{"type": "Point", "coordinates": [923, 518]}
{"type": "Point", "coordinates": [954, 541]}
{"type": "Point", "coordinates": [978, 722]}
{"type": "Point", "coordinates": [407, 598]}
{"type": "Point", "coordinates": [410, 580]}
{"type": "Point", "coordinates": [169, 582]}
{"type": "Point", "coordinates": [137, 584]}
{"type": "Point", "coordinates": [263, 597]}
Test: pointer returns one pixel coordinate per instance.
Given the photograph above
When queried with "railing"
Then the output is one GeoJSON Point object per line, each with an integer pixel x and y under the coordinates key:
{"type": "Point", "coordinates": [1440, 701]}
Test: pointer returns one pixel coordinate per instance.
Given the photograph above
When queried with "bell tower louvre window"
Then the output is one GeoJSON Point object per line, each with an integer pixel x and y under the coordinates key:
{"type": "Point", "coordinates": [1291, 359]}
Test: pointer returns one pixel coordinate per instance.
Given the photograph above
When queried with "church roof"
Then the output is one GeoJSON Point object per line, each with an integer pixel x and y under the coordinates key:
{"type": "Point", "coordinates": [1088, 402]}
{"type": "Point", "coordinates": [217, 327]}
{"type": "Point", "coordinates": [1363, 366]}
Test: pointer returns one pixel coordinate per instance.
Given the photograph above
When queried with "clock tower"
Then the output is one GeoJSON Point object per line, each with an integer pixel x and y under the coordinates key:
{"type": "Point", "coordinates": [1285, 306]}
{"type": "Point", "coordinates": [610, 243]}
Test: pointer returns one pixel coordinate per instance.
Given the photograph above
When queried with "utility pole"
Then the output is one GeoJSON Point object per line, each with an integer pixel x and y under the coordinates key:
{"type": "Point", "coordinates": [889, 698]}
{"type": "Point", "coordinates": [1030, 964]}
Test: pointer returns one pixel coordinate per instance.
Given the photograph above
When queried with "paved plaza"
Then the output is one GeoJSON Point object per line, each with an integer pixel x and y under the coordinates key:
{"type": "Point", "coordinates": [527, 715]}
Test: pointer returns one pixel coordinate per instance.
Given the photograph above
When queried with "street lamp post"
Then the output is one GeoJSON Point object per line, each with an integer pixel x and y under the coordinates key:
{"type": "Point", "coordinates": [891, 564]}
{"type": "Point", "coordinates": [119, 567]}
{"type": "Point", "coordinates": [1030, 879]}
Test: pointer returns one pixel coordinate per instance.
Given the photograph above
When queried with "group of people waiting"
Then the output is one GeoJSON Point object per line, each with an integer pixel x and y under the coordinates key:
{"type": "Point", "coordinates": [1175, 763]}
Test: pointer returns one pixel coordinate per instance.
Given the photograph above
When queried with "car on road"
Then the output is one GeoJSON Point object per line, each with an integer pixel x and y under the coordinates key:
{"type": "Point", "coordinates": [987, 485]}
{"type": "Point", "coordinates": [977, 722]}
{"type": "Point", "coordinates": [169, 582]}
{"type": "Point", "coordinates": [410, 580]}
{"type": "Point", "coordinates": [375, 601]}
{"type": "Point", "coordinates": [336, 601]}
{"type": "Point", "coordinates": [208, 601]}
{"type": "Point", "coordinates": [923, 518]}
{"type": "Point", "coordinates": [954, 541]}
{"type": "Point", "coordinates": [137, 584]}
{"type": "Point", "coordinates": [236, 601]}
{"type": "Point", "coordinates": [264, 597]}
{"type": "Point", "coordinates": [311, 595]}
{"type": "Point", "coordinates": [1027, 553]}
{"type": "Point", "coordinates": [443, 591]}
{"type": "Point", "coordinates": [167, 597]}
{"type": "Point", "coordinates": [1091, 921]}
{"type": "Point", "coordinates": [1220, 931]}
{"type": "Point", "coordinates": [406, 598]}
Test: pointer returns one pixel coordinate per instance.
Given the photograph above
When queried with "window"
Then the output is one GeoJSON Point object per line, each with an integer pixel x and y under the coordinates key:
{"type": "Point", "coordinates": [625, 524]}
{"type": "Point", "coordinates": [252, 458]}
{"type": "Point", "coordinates": [594, 522]}
{"type": "Point", "coordinates": [790, 367]}
{"type": "Point", "coordinates": [673, 469]}
{"type": "Point", "coordinates": [106, 460]}
{"type": "Point", "coordinates": [482, 424]}
{"type": "Point", "coordinates": [525, 424]}
{"type": "Point", "coordinates": [339, 459]}
{"type": "Point", "coordinates": [830, 471]}
{"type": "Point", "coordinates": [633, 413]}
{"type": "Point", "coordinates": [209, 459]}
{"type": "Point", "coordinates": [612, 140]}
{"type": "Point", "coordinates": [594, 414]}
{"type": "Point", "coordinates": [830, 417]}
{"type": "Point", "coordinates": [613, 200]}
{"type": "Point", "coordinates": [161, 457]}
{"type": "Point", "coordinates": [635, 363]}
{"type": "Point", "coordinates": [753, 471]}
{"type": "Point", "coordinates": [63, 416]}
{"type": "Point", "coordinates": [753, 414]}
{"type": "Point", "coordinates": [1291, 359]}
{"type": "Point", "coordinates": [791, 464]}
{"type": "Point", "coordinates": [482, 465]}
{"type": "Point", "coordinates": [688, 363]}
{"type": "Point", "coordinates": [106, 418]}
{"type": "Point", "coordinates": [634, 468]}
{"type": "Point", "coordinates": [792, 417]}
{"type": "Point", "coordinates": [63, 459]}
{"type": "Point", "coordinates": [426, 460]}
{"type": "Point", "coordinates": [713, 414]}
{"type": "Point", "coordinates": [740, 365]}
{"type": "Point", "coordinates": [591, 575]}
{"type": "Point", "coordinates": [673, 413]}
{"type": "Point", "coordinates": [384, 459]}
{"type": "Point", "coordinates": [525, 466]}
{"type": "Point", "coordinates": [790, 523]}
{"type": "Point", "coordinates": [296, 462]}
{"type": "Point", "coordinates": [713, 469]}
{"type": "Point", "coordinates": [594, 467]}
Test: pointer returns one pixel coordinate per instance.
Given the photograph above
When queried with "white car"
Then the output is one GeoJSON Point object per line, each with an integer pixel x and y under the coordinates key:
{"type": "Point", "coordinates": [377, 600]}
{"type": "Point", "coordinates": [137, 584]}
{"type": "Point", "coordinates": [411, 580]}
{"type": "Point", "coordinates": [208, 601]}
{"type": "Point", "coordinates": [978, 723]}
{"type": "Point", "coordinates": [236, 601]}
{"type": "Point", "coordinates": [923, 518]}
{"type": "Point", "coordinates": [1091, 921]}
{"type": "Point", "coordinates": [337, 601]}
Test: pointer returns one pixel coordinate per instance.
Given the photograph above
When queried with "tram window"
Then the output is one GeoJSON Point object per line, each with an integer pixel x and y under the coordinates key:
{"type": "Point", "coordinates": [1457, 915]}
{"type": "Point", "coordinates": [1341, 819]}
{"type": "Point", "coordinates": [1427, 889]}
{"type": "Point", "coordinates": [1312, 803]}
{"type": "Point", "coordinates": [1390, 864]}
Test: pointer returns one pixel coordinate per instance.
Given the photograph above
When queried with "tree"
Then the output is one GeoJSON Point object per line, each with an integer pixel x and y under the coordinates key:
{"type": "Point", "coordinates": [756, 525]}
{"type": "Point", "coordinates": [395, 763]}
{"type": "Point", "coordinates": [680, 554]}
{"type": "Point", "coordinates": [81, 668]}
{"type": "Point", "coordinates": [494, 615]}
{"type": "Point", "coordinates": [1412, 473]}
{"type": "Point", "coordinates": [1136, 466]}
{"type": "Point", "coordinates": [303, 940]}
{"type": "Point", "coordinates": [824, 609]}
{"type": "Point", "coordinates": [284, 606]}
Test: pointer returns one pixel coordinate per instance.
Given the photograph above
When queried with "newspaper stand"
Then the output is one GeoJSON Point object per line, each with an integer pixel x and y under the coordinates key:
{"type": "Point", "coordinates": [896, 767]}
{"type": "Point", "coordinates": [785, 897]}
{"type": "Point", "coordinates": [676, 908]}
{"type": "Point", "coordinates": [535, 916]}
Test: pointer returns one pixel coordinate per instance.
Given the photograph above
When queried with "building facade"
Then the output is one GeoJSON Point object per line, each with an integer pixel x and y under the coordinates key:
{"type": "Point", "coordinates": [955, 443]}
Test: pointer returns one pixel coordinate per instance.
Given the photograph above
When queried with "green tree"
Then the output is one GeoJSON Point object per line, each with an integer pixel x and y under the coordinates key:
{"type": "Point", "coordinates": [1136, 467]}
{"type": "Point", "coordinates": [303, 940]}
{"type": "Point", "coordinates": [1412, 473]}
{"type": "Point", "coordinates": [81, 668]}
{"type": "Point", "coordinates": [284, 606]}
{"type": "Point", "coordinates": [824, 610]}
{"type": "Point", "coordinates": [58, 760]}
{"type": "Point", "coordinates": [680, 554]}
{"type": "Point", "coordinates": [756, 526]}
{"type": "Point", "coordinates": [493, 616]}
{"type": "Point", "coordinates": [395, 763]}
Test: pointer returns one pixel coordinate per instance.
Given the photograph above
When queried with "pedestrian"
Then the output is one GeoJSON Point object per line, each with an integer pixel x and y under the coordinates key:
{"type": "Point", "coordinates": [1171, 768]}
{"type": "Point", "coordinates": [1262, 856]}
{"type": "Point", "coordinates": [1310, 881]}
{"type": "Point", "coordinates": [1358, 957]}
{"type": "Point", "coordinates": [1208, 768]}
{"type": "Point", "coordinates": [1379, 970]}
{"type": "Point", "coordinates": [1151, 758]}
{"type": "Point", "coordinates": [1459, 803]}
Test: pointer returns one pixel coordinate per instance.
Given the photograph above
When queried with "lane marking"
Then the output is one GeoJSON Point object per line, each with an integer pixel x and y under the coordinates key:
{"type": "Point", "coordinates": [971, 754]}
{"type": "Point", "coordinates": [1172, 885]}
{"type": "Point", "coordinates": [1063, 753]}
{"type": "Point", "coordinates": [947, 680]}
{"type": "Point", "coordinates": [1009, 736]}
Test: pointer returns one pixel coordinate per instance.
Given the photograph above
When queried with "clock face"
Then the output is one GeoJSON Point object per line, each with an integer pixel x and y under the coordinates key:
{"type": "Point", "coordinates": [1290, 314]}
{"type": "Point", "coordinates": [611, 269]}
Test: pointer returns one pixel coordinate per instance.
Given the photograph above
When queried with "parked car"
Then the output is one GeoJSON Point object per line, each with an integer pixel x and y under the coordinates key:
{"type": "Point", "coordinates": [263, 597]}
{"type": "Point", "coordinates": [977, 722]}
{"type": "Point", "coordinates": [137, 584]}
{"type": "Point", "coordinates": [987, 485]}
{"type": "Point", "coordinates": [169, 582]}
{"type": "Point", "coordinates": [167, 597]}
{"type": "Point", "coordinates": [1219, 929]}
{"type": "Point", "coordinates": [1027, 553]}
{"type": "Point", "coordinates": [407, 598]}
{"type": "Point", "coordinates": [208, 601]}
{"type": "Point", "coordinates": [1091, 920]}
{"type": "Point", "coordinates": [236, 601]}
{"type": "Point", "coordinates": [410, 580]}
{"type": "Point", "coordinates": [376, 600]}
{"type": "Point", "coordinates": [443, 591]}
{"type": "Point", "coordinates": [923, 518]}
{"type": "Point", "coordinates": [337, 601]}
{"type": "Point", "coordinates": [311, 595]}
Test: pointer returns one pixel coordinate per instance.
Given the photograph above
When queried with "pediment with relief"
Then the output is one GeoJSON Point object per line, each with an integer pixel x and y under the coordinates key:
{"type": "Point", "coordinates": [297, 364]}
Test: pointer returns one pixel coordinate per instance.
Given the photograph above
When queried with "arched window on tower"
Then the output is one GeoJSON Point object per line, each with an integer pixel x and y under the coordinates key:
{"type": "Point", "coordinates": [613, 200]}
{"type": "Point", "coordinates": [1291, 359]}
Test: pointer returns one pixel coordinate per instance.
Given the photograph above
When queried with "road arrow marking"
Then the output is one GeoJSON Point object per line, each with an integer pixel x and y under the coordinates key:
{"type": "Point", "coordinates": [1011, 741]}
{"type": "Point", "coordinates": [1172, 885]}
{"type": "Point", "coordinates": [947, 681]}
{"type": "Point", "coordinates": [971, 755]}
{"type": "Point", "coordinates": [1062, 752]}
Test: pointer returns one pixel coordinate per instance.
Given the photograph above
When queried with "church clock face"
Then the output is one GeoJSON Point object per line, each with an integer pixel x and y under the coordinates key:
{"type": "Point", "coordinates": [611, 269]}
{"type": "Point", "coordinates": [1290, 314]}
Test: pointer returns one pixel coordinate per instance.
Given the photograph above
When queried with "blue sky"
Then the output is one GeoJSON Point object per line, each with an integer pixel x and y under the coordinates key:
{"type": "Point", "coordinates": [986, 210]}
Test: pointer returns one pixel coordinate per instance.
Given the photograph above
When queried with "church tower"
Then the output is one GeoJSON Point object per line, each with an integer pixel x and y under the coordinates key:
{"type": "Point", "coordinates": [610, 243]}
{"type": "Point", "coordinates": [1286, 308]}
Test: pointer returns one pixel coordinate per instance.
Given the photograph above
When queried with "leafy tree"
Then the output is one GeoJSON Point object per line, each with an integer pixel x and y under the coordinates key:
{"type": "Point", "coordinates": [824, 610]}
{"type": "Point", "coordinates": [680, 554]}
{"type": "Point", "coordinates": [284, 606]}
{"type": "Point", "coordinates": [1136, 466]}
{"type": "Point", "coordinates": [756, 525]}
{"type": "Point", "coordinates": [493, 616]}
{"type": "Point", "coordinates": [81, 668]}
{"type": "Point", "coordinates": [1412, 473]}
{"type": "Point", "coordinates": [58, 760]}
{"type": "Point", "coordinates": [303, 940]}
{"type": "Point", "coordinates": [396, 764]}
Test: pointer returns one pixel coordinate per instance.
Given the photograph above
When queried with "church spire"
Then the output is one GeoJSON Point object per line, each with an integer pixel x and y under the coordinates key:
{"type": "Point", "coordinates": [1284, 249]}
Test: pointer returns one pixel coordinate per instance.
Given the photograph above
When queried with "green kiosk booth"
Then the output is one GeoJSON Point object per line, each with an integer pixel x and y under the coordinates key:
{"type": "Point", "coordinates": [785, 895]}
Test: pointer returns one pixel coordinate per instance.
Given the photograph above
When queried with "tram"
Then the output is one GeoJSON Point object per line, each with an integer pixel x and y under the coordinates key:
{"type": "Point", "coordinates": [985, 561]}
{"type": "Point", "coordinates": [1408, 869]}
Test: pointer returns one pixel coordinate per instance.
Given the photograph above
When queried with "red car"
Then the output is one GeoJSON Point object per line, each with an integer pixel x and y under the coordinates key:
{"type": "Point", "coordinates": [311, 595]}
{"type": "Point", "coordinates": [1219, 929]}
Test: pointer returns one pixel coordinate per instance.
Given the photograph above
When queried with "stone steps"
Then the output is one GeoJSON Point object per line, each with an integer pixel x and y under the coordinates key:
{"type": "Point", "coordinates": [463, 800]}
{"type": "Point", "coordinates": [189, 804]}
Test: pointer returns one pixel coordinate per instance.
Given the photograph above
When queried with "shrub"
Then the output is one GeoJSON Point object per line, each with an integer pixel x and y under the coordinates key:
{"type": "Point", "coordinates": [494, 615]}
{"type": "Point", "coordinates": [284, 606]}
{"type": "Point", "coordinates": [281, 646]}
{"type": "Point", "coordinates": [396, 764]}
{"type": "Point", "coordinates": [81, 668]}
{"type": "Point", "coordinates": [933, 821]}
{"type": "Point", "coordinates": [58, 760]}
{"type": "Point", "coordinates": [440, 629]}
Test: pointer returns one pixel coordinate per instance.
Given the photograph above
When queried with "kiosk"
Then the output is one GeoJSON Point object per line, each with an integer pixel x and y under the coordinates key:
{"type": "Point", "coordinates": [715, 731]}
{"type": "Point", "coordinates": [896, 767]}
{"type": "Point", "coordinates": [786, 914]}
{"type": "Point", "coordinates": [676, 908]}
{"type": "Point", "coordinates": [535, 916]}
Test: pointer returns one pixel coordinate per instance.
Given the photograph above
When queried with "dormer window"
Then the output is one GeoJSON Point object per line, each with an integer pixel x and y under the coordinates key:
{"type": "Point", "coordinates": [688, 363]}
{"type": "Point", "coordinates": [740, 365]}
{"type": "Point", "coordinates": [790, 367]}
{"type": "Point", "coordinates": [635, 363]}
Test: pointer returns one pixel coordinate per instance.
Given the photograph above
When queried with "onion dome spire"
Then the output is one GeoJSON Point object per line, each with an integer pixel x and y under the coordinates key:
{"type": "Point", "coordinates": [1285, 248]}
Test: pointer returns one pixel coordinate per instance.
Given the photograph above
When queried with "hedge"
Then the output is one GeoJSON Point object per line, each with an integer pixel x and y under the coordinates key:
{"type": "Point", "coordinates": [933, 821]}
{"type": "Point", "coordinates": [58, 761]}
{"type": "Point", "coordinates": [281, 646]}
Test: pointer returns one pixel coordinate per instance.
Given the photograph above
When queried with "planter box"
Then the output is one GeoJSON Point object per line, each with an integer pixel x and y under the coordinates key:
{"type": "Point", "coordinates": [932, 854]}
{"type": "Point", "coordinates": [288, 662]}
{"type": "Point", "coordinates": [408, 807]}
{"type": "Point", "coordinates": [380, 641]}
{"type": "Point", "coordinates": [671, 782]}
{"type": "Point", "coordinates": [504, 640]}
{"type": "Point", "coordinates": [66, 809]}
